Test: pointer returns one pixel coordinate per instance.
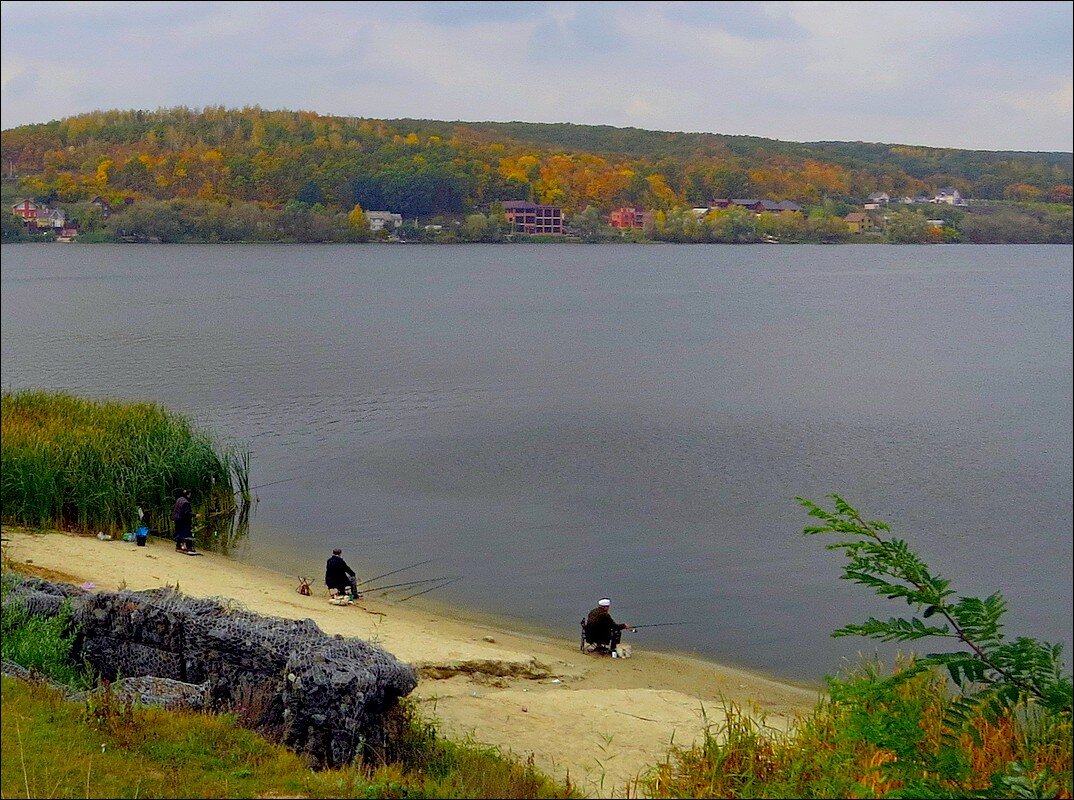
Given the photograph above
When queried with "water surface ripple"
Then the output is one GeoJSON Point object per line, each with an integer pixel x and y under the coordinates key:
{"type": "Point", "coordinates": [562, 422]}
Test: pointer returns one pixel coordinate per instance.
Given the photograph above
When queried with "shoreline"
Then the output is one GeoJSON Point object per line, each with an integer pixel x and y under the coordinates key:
{"type": "Point", "coordinates": [601, 721]}
{"type": "Point", "coordinates": [243, 242]}
{"type": "Point", "coordinates": [518, 626]}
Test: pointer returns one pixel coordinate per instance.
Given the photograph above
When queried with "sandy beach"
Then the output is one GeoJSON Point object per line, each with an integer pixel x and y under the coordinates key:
{"type": "Point", "coordinates": [601, 720]}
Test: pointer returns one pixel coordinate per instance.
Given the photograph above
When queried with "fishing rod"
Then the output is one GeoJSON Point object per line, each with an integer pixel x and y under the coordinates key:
{"type": "Point", "coordinates": [405, 583]}
{"type": "Point", "coordinates": [394, 571]}
{"type": "Point", "coordinates": [271, 483]}
{"type": "Point", "coordinates": [441, 586]}
{"type": "Point", "coordinates": [657, 625]}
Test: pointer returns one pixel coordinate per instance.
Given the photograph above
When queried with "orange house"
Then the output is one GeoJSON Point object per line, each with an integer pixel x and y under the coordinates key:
{"type": "Point", "coordinates": [626, 218]}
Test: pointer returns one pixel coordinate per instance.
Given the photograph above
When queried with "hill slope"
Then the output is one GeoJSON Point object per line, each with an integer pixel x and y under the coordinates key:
{"type": "Point", "coordinates": [423, 167]}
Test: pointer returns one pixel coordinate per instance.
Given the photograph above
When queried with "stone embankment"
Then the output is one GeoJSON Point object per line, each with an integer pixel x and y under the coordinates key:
{"type": "Point", "coordinates": [326, 696]}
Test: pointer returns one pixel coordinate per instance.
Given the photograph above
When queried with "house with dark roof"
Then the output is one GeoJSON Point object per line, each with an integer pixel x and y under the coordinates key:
{"type": "Point", "coordinates": [949, 195]}
{"type": "Point", "coordinates": [104, 205]}
{"type": "Point", "coordinates": [54, 218]}
{"type": "Point", "coordinates": [859, 222]}
{"type": "Point", "coordinates": [780, 207]}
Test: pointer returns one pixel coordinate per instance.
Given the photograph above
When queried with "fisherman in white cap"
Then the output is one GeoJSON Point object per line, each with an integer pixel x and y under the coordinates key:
{"type": "Point", "coordinates": [602, 630]}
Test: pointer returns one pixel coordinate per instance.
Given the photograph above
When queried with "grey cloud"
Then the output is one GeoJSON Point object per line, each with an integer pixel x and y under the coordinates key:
{"type": "Point", "coordinates": [790, 72]}
{"type": "Point", "coordinates": [742, 20]}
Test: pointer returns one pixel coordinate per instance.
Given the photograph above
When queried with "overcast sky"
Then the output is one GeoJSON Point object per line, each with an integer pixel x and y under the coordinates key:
{"type": "Point", "coordinates": [990, 76]}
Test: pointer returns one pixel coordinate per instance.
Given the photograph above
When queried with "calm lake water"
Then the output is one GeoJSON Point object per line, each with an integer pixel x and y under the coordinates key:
{"type": "Point", "coordinates": [559, 423]}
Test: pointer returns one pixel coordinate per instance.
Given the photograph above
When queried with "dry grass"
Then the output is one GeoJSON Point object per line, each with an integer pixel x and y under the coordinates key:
{"type": "Point", "coordinates": [868, 742]}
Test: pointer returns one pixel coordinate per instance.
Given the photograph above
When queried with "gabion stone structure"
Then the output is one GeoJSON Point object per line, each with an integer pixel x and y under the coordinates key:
{"type": "Point", "coordinates": [325, 696]}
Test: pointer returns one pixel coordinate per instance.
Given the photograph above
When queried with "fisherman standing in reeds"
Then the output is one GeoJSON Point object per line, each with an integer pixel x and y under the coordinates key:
{"type": "Point", "coordinates": [183, 517]}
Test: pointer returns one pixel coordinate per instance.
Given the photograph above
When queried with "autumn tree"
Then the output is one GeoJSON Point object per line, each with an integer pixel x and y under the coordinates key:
{"type": "Point", "coordinates": [1061, 194]}
{"type": "Point", "coordinates": [358, 223]}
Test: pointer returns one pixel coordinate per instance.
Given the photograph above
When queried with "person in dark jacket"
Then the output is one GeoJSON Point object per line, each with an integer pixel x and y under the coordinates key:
{"type": "Point", "coordinates": [183, 517]}
{"type": "Point", "coordinates": [601, 629]}
{"type": "Point", "coordinates": [339, 576]}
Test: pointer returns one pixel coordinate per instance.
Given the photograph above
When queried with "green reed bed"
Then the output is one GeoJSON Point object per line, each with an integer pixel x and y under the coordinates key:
{"type": "Point", "coordinates": [86, 465]}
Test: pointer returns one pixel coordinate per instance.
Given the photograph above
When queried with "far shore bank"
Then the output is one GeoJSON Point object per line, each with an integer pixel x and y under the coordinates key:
{"type": "Point", "coordinates": [558, 241]}
{"type": "Point", "coordinates": [601, 720]}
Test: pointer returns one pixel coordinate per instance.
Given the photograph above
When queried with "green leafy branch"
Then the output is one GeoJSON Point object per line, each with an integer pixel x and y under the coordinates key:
{"type": "Point", "coordinates": [991, 671]}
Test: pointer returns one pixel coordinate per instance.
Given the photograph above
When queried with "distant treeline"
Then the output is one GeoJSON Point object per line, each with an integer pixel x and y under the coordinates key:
{"type": "Point", "coordinates": [422, 168]}
{"type": "Point", "coordinates": [196, 220]}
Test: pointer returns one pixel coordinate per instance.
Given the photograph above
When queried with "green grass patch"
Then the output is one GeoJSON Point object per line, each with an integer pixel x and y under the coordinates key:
{"type": "Point", "coordinates": [77, 464]}
{"type": "Point", "coordinates": [36, 642]}
{"type": "Point", "coordinates": [41, 643]}
{"type": "Point", "coordinates": [57, 748]}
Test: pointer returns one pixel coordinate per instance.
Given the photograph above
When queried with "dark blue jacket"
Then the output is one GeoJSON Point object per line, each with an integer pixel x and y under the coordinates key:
{"type": "Point", "coordinates": [183, 517]}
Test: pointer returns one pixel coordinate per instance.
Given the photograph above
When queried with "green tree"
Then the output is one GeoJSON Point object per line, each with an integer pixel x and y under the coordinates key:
{"type": "Point", "coordinates": [13, 228]}
{"type": "Point", "coordinates": [907, 227]}
{"type": "Point", "coordinates": [993, 673]}
{"type": "Point", "coordinates": [590, 224]}
{"type": "Point", "coordinates": [734, 225]}
{"type": "Point", "coordinates": [474, 228]}
{"type": "Point", "coordinates": [729, 182]}
{"type": "Point", "coordinates": [498, 226]}
{"type": "Point", "coordinates": [824, 227]}
{"type": "Point", "coordinates": [785, 227]}
{"type": "Point", "coordinates": [311, 193]}
{"type": "Point", "coordinates": [87, 216]}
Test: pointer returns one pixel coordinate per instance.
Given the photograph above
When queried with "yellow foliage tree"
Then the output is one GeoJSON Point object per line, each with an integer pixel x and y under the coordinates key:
{"type": "Point", "coordinates": [102, 173]}
{"type": "Point", "coordinates": [356, 219]}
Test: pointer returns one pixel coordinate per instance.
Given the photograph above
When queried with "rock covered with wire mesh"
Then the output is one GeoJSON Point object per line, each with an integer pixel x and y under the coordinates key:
{"type": "Point", "coordinates": [322, 695]}
{"type": "Point", "coordinates": [40, 597]}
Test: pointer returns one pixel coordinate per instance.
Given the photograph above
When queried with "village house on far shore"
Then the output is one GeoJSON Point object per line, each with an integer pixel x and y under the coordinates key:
{"type": "Point", "coordinates": [39, 218]}
{"type": "Point", "coordinates": [628, 218]}
{"type": "Point", "coordinates": [859, 222]}
{"type": "Point", "coordinates": [379, 220]}
{"type": "Point", "coordinates": [532, 218]}
{"type": "Point", "coordinates": [949, 195]}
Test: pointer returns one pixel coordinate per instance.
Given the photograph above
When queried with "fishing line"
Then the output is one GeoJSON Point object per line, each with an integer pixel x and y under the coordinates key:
{"type": "Point", "coordinates": [441, 586]}
{"type": "Point", "coordinates": [405, 583]}
{"type": "Point", "coordinates": [394, 571]}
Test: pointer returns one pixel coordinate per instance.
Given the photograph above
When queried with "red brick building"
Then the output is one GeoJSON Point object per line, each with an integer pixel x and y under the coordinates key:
{"type": "Point", "coordinates": [626, 218]}
{"type": "Point", "coordinates": [526, 217]}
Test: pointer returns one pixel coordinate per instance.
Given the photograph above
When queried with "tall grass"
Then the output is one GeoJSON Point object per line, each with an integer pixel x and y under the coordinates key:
{"type": "Point", "coordinates": [85, 465]}
{"type": "Point", "coordinates": [876, 738]}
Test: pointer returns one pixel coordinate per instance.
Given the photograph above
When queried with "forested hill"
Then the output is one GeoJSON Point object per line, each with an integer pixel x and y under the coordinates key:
{"type": "Point", "coordinates": [425, 167]}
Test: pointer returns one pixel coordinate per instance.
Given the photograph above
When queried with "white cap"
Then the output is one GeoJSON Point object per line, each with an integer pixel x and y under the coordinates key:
{"type": "Point", "coordinates": [604, 601]}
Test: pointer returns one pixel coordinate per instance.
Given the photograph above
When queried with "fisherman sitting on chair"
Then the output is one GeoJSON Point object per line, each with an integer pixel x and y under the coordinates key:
{"type": "Point", "coordinates": [598, 628]}
{"type": "Point", "coordinates": [340, 577]}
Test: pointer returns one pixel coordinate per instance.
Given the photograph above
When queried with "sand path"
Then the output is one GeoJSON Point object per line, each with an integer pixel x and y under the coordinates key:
{"type": "Point", "coordinates": [604, 720]}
